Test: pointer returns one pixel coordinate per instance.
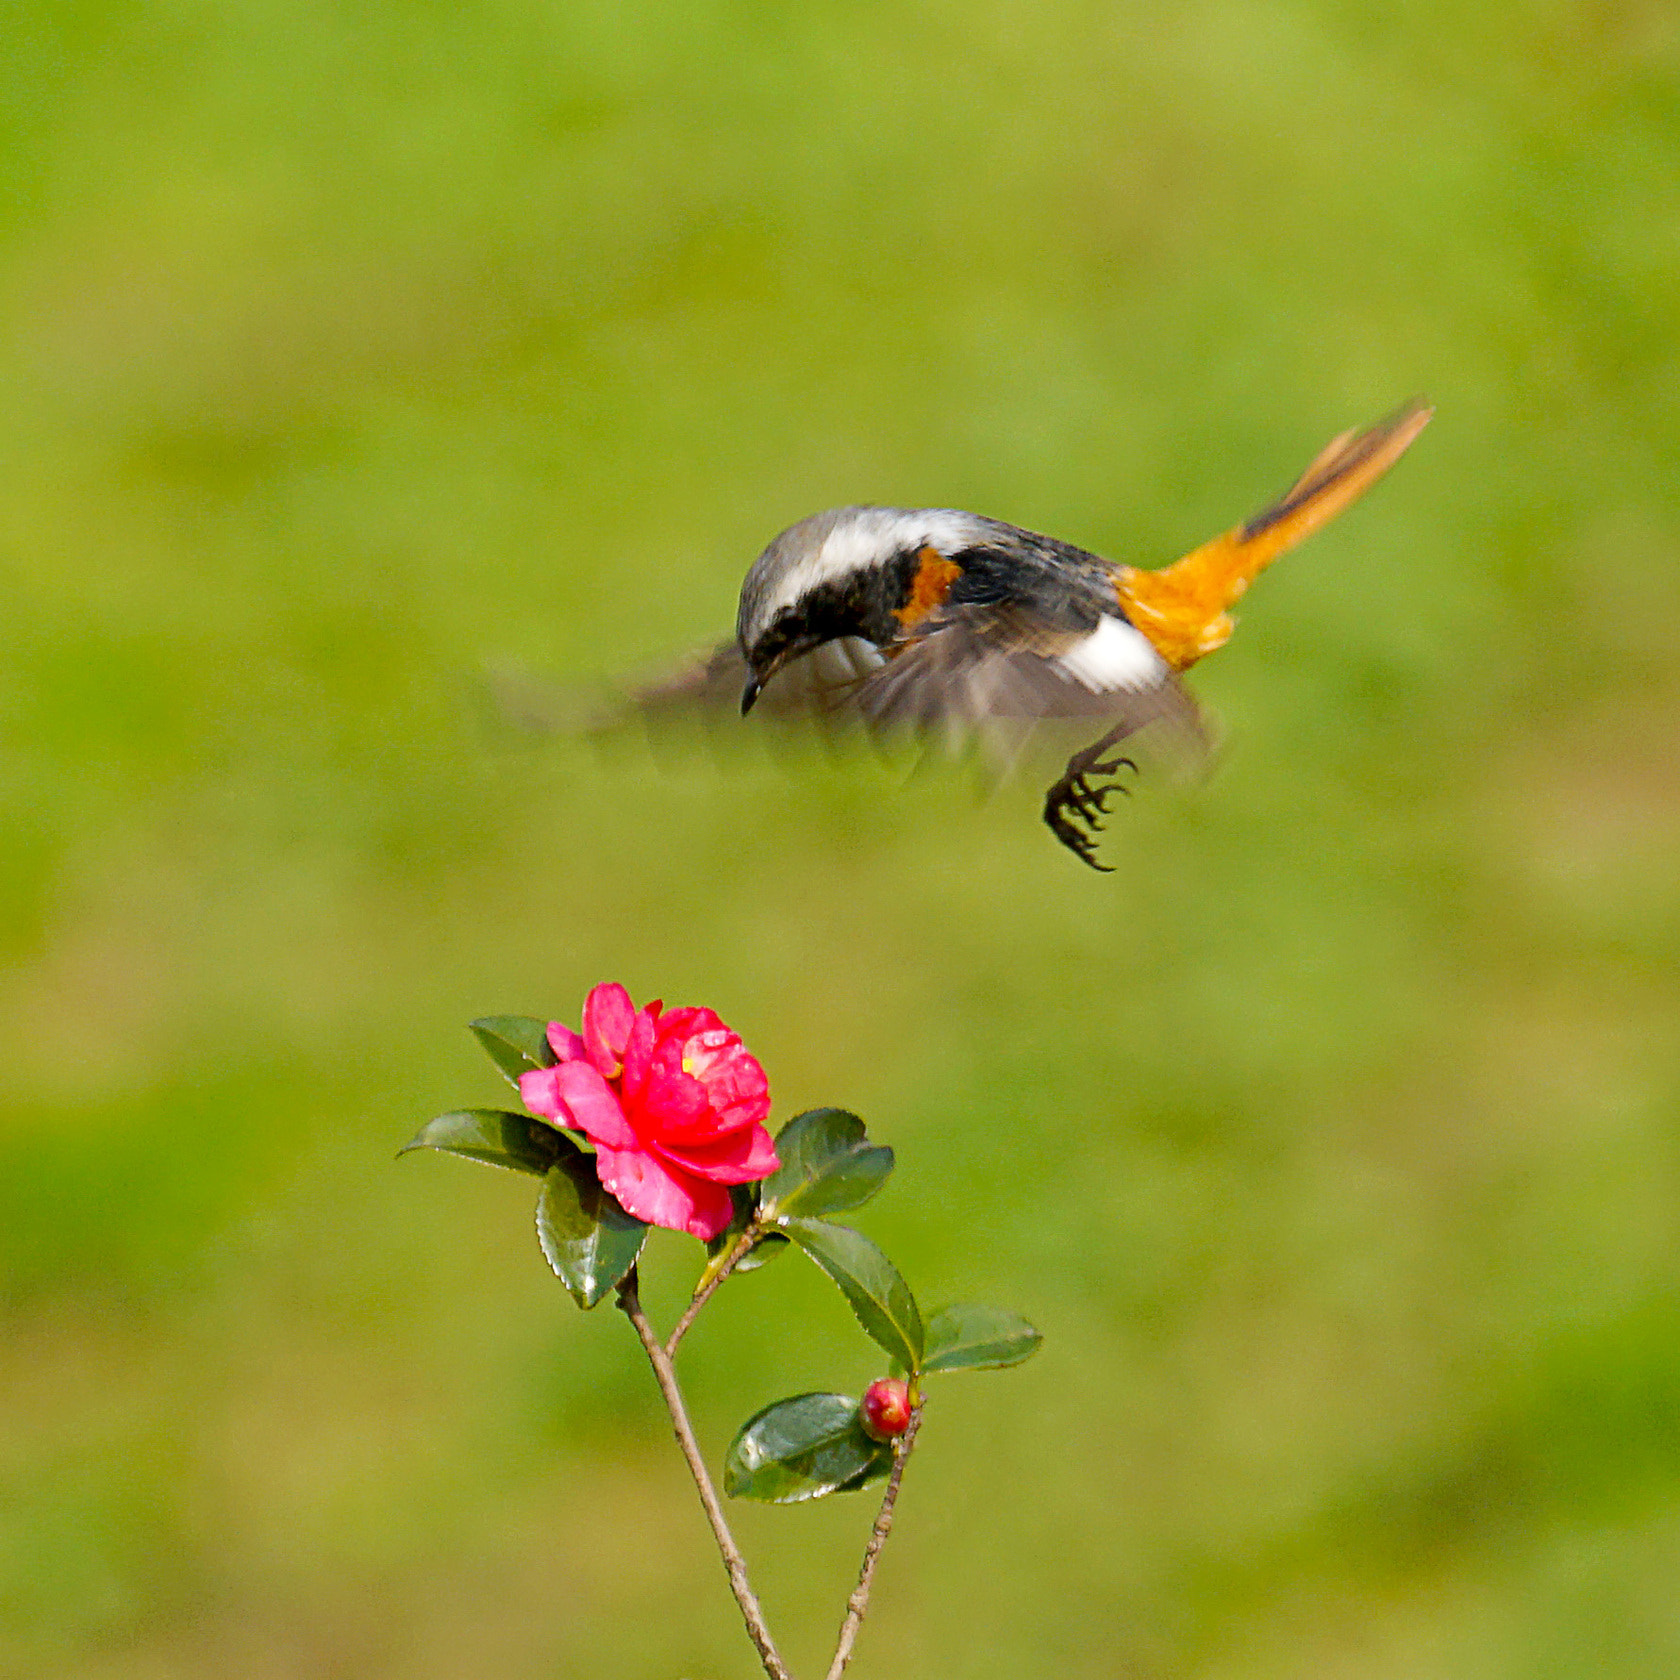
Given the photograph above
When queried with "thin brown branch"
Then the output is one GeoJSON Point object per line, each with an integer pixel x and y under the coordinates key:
{"type": "Point", "coordinates": [859, 1601]}
{"type": "Point", "coordinates": [744, 1246]}
{"type": "Point", "coordinates": [757, 1630]}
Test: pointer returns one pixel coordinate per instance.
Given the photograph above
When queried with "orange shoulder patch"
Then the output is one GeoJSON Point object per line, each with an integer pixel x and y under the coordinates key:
{"type": "Point", "coordinates": [928, 588]}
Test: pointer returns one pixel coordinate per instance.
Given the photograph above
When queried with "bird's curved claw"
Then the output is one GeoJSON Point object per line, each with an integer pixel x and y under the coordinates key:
{"type": "Point", "coordinates": [1078, 801]}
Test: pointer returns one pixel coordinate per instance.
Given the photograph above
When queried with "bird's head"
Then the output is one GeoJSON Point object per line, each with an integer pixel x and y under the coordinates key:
{"type": "Point", "coordinates": [854, 571]}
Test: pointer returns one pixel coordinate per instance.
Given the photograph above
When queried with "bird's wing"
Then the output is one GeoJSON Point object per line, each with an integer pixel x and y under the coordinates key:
{"type": "Point", "coordinates": [970, 667]}
{"type": "Point", "coordinates": [816, 686]}
{"type": "Point", "coordinates": [708, 680]}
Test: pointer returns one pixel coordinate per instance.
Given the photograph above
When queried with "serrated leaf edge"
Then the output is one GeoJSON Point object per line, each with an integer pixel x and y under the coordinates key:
{"type": "Point", "coordinates": [791, 1227]}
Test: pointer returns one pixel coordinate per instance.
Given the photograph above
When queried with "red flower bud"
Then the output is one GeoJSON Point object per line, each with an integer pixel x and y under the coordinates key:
{"type": "Point", "coordinates": [885, 1412]}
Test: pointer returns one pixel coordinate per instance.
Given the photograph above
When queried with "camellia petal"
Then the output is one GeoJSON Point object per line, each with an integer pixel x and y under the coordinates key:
{"type": "Point", "coordinates": [674, 1103]}
{"type": "Point", "coordinates": [683, 1023]}
{"type": "Point", "coordinates": [649, 1190]}
{"type": "Point", "coordinates": [737, 1159]}
{"type": "Point", "coordinates": [704, 1050]}
{"type": "Point", "coordinates": [735, 1090]}
{"type": "Point", "coordinates": [608, 1016]}
{"type": "Point", "coordinates": [738, 1089]}
{"type": "Point", "coordinates": [565, 1043]}
{"type": "Point", "coordinates": [639, 1052]}
{"type": "Point", "coordinates": [539, 1093]}
{"type": "Point", "coordinates": [593, 1105]}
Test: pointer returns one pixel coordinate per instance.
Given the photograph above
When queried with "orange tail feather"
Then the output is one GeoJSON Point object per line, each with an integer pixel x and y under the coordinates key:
{"type": "Point", "coordinates": [1183, 608]}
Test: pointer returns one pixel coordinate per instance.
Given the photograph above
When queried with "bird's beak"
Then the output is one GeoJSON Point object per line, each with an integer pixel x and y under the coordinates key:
{"type": "Point", "coordinates": [757, 680]}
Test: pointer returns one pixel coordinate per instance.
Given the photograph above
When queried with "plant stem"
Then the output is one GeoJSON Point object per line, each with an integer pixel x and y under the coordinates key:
{"type": "Point", "coordinates": [859, 1601]}
{"type": "Point", "coordinates": [630, 1301]}
{"type": "Point", "coordinates": [744, 1246]}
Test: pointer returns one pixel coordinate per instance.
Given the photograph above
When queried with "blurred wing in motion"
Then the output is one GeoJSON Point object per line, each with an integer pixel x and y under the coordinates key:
{"type": "Point", "coordinates": [997, 673]}
{"type": "Point", "coordinates": [971, 667]}
{"type": "Point", "coordinates": [705, 685]}
{"type": "Point", "coordinates": [986, 675]}
{"type": "Point", "coordinates": [695, 701]}
{"type": "Point", "coordinates": [707, 682]}
{"type": "Point", "coordinates": [817, 687]}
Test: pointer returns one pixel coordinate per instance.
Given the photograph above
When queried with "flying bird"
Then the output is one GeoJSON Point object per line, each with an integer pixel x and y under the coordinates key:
{"type": "Point", "coordinates": [949, 623]}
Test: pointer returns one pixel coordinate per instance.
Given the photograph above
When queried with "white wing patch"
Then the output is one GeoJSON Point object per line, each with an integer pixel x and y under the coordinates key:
{"type": "Point", "coordinates": [1114, 656]}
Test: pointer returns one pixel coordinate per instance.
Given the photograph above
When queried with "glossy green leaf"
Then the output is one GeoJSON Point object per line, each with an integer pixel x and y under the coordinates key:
{"type": "Point", "coordinates": [494, 1136]}
{"type": "Point", "coordinates": [515, 1043]}
{"type": "Point", "coordinates": [873, 1471]}
{"type": "Point", "coordinates": [589, 1240]}
{"type": "Point", "coordinates": [802, 1448]}
{"type": "Point", "coordinates": [768, 1246]}
{"type": "Point", "coordinates": [744, 1203]}
{"type": "Point", "coordinates": [828, 1165]}
{"type": "Point", "coordinates": [766, 1249]}
{"type": "Point", "coordinates": [972, 1338]}
{"type": "Point", "coordinates": [870, 1282]}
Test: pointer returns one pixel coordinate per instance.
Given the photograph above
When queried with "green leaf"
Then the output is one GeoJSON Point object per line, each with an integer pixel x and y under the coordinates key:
{"type": "Point", "coordinates": [495, 1136]}
{"type": "Point", "coordinates": [971, 1338]}
{"type": "Point", "coordinates": [802, 1448]}
{"type": "Point", "coordinates": [764, 1251]}
{"type": "Point", "coordinates": [745, 1198]}
{"type": "Point", "coordinates": [589, 1240]}
{"type": "Point", "coordinates": [768, 1246]}
{"type": "Point", "coordinates": [870, 1282]}
{"type": "Point", "coordinates": [744, 1204]}
{"type": "Point", "coordinates": [515, 1043]}
{"type": "Point", "coordinates": [873, 1471]}
{"type": "Point", "coordinates": [828, 1165]}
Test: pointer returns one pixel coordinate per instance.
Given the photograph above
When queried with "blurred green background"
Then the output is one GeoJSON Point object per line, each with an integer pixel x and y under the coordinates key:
{"type": "Point", "coordinates": [357, 354]}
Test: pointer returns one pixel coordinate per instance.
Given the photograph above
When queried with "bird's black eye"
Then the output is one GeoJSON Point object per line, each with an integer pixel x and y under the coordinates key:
{"type": "Point", "coordinates": [784, 634]}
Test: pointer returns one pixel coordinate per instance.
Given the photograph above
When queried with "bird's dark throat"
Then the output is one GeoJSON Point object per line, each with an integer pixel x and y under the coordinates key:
{"type": "Point", "coordinates": [868, 603]}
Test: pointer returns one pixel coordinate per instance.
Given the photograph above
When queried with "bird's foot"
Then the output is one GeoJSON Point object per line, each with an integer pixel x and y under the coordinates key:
{"type": "Point", "coordinates": [1078, 802]}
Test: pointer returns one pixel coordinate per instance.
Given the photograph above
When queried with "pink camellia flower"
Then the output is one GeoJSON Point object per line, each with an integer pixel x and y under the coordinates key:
{"type": "Point", "coordinates": [673, 1102]}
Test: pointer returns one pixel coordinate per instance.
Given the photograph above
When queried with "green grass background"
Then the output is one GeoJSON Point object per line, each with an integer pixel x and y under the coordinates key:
{"type": "Point", "coordinates": [354, 352]}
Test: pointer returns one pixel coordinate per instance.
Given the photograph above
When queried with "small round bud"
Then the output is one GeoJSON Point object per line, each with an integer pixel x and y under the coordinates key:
{"type": "Point", "coordinates": [885, 1412]}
